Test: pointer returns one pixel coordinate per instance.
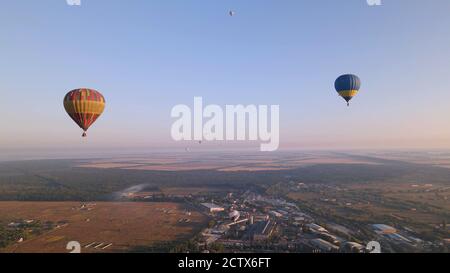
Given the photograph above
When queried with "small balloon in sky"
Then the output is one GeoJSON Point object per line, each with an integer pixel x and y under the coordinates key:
{"type": "Point", "coordinates": [232, 13]}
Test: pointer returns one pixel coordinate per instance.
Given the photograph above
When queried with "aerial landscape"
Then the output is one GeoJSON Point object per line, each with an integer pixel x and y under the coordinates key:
{"type": "Point", "coordinates": [224, 135]}
{"type": "Point", "coordinates": [223, 202]}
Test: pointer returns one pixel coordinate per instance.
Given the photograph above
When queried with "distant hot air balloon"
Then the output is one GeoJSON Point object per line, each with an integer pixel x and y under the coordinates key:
{"type": "Point", "coordinates": [84, 106]}
{"type": "Point", "coordinates": [347, 86]}
{"type": "Point", "coordinates": [232, 13]}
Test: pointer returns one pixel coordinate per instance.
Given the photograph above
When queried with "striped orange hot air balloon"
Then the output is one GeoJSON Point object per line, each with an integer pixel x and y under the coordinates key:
{"type": "Point", "coordinates": [84, 106]}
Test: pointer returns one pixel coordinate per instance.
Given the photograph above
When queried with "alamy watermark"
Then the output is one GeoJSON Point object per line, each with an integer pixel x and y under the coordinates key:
{"type": "Point", "coordinates": [73, 2]}
{"type": "Point", "coordinates": [234, 123]}
{"type": "Point", "coordinates": [74, 247]}
{"type": "Point", "coordinates": [373, 247]}
{"type": "Point", "coordinates": [374, 2]}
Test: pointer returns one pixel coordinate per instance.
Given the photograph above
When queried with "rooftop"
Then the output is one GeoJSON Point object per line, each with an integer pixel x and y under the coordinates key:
{"type": "Point", "coordinates": [211, 206]}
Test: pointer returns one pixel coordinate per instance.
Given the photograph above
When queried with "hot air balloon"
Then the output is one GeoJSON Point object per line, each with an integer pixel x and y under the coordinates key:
{"type": "Point", "coordinates": [232, 13]}
{"type": "Point", "coordinates": [347, 86]}
{"type": "Point", "coordinates": [84, 106]}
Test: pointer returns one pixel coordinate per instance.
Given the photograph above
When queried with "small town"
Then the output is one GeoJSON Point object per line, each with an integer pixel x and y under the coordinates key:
{"type": "Point", "coordinates": [255, 222]}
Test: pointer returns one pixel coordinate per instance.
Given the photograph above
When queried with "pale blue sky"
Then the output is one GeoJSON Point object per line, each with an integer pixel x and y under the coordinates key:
{"type": "Point", "coordinates": [147, 56]}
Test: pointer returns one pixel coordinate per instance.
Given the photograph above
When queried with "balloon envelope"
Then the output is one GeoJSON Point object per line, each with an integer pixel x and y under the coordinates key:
{"type": "Point", "coordinates": [84, 106]}
{"type": "Point", "coordinates": [347, 86]}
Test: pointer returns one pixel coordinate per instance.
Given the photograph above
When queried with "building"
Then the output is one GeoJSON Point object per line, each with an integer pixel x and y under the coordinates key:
{"type": "Point", "coordinates": [330, 238]}
{"type": "Point", "coordinates": [324, 246]}
{"type": "Point", "coordinates": [275, 214]}
{"type": "Point", "coordinates": [316, 228]}
{"type": "Point", "coordinates": [353, 247]}
{"type": "Point", "coordinates": [212, 208]}
{"type": "Point", "coordinates": [384, 229]}
{"type": "Point", "coordinates": [234, 215]}
{"type": "Point", "coordinates": [261, 231]}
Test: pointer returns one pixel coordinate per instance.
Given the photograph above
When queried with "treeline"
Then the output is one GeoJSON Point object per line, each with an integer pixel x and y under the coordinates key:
{"type": "Point", "coordinates": [65, 183]}
{"type": "Point", "coordinates": [53, 180]}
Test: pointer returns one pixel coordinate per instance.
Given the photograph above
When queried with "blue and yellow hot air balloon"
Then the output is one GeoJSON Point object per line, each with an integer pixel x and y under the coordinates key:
{"type": "Point", "coordinates": [347, 86]}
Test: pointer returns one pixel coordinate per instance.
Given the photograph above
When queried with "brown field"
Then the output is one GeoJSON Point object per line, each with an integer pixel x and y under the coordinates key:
{"type": "Point", "coordinates": [439, 159]}
{"type": "Point", "coordinates": [426, 206]}
{"type": "Point", "coordinates": [188, 162]}
{"type": "Point", "coordinates": [251, 169]}
{"type": "Point", "coordinates": [125, 225]}
{"type": "Point", "coordinates": [188, 166]}
{"type": "Point", "coordinates": [329, 160]}
{"type": "Point", "coordinates": [111, 165]}
{"type": "Point", "coordinates": [191, 190]}
{"type": "Point", "coordinates": [186, 191]}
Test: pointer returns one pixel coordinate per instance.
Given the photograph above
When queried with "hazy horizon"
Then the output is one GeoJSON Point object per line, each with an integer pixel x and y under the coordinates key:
{"type": "Point", "coordinates": [102, 153]}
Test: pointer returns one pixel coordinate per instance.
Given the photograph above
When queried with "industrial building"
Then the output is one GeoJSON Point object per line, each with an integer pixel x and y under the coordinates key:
{"type": "Point", "coordinates": [324, 246]}
{"type": "Point", "coordinates": [316, 228]}
{"type": "Point", "coordinates": [261, 231]}
{"type": "Point", "coordinates": [384, 229]}
{"type": "Point", "coordinates": [212, 208]}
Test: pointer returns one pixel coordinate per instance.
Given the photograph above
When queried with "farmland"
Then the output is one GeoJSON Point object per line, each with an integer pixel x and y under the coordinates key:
{"type": "Point", "coordinates": [152, 204]}
{"type": "Point", "coordinates": [124, 226]}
